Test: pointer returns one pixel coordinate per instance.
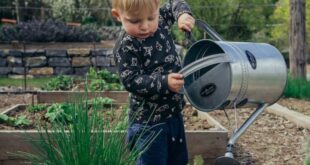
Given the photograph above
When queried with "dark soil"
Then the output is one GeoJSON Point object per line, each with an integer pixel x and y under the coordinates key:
{"type": "Point", "coordinates": [9, 100]}
{"type": "Point", "coordinates": [191, 119]}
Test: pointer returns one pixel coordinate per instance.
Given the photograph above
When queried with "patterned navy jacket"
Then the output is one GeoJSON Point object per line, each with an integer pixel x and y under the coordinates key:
{"type": "Point", "coordinates": [144, 65]}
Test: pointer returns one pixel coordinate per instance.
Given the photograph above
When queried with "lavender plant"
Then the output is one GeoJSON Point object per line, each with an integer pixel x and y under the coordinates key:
{"type": "Point", "coordinates": [48, 31]}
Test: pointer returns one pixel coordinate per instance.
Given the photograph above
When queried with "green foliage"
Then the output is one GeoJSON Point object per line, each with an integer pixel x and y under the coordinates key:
{"type": "Point", "coordinates": [12, 121]}
{"type": "Point", "coordinates": [60, 82]}
{"type": "Point", "coordinates": [280, 19]}
{"type": "Point", "coordinates": [234, 20]}
{"type": "Point", "coordinates": [103, 80]}
{"type": "Point", "coordinates": [85, 11]}
{"type": "Point", "coordinates": [101, 101]}
{"type": "Point", "coordinates": [32, 82]}
{"type": "Point", "coordinates": [198, 160]}
{"type": "Point", "coordinates": [59, 112]}
{"type": "Point", "coordinates": [21, 121]}
{"type": "Point", "coordinates": [4, 118]}
{"type": "Point", "coordinates": [67, 10]}
{"type": "Point", "coordinates": [6, 13]}
{"type": "Point", "coordinates": [36, 108]}
{"type": "Point", "coordinates": [82, 142]}
{"type": "Point", "coordinates": [103, 74]}
{"type": "Point", "coordinates": [297, 88]}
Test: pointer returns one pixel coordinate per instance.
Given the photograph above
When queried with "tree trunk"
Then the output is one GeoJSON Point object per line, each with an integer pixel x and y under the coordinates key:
{"type": "Point", "coordinates": [297, 39]}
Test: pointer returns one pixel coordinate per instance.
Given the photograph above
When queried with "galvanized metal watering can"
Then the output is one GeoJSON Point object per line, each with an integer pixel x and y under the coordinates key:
{"type": "Point", "coordinates": [219, 74]}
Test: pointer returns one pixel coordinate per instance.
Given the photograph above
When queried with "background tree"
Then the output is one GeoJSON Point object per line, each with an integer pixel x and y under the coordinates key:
{"type": "Point", "coordinates": [297, 39]}
{"type": "Point", "coordinates": [280, 26]}
{"type": "Point", "coordinates": [5, 5]}
{"type": "Point", "coordinates": [235, 20]}
{"type": "Point", "coordinates": [84, 11]}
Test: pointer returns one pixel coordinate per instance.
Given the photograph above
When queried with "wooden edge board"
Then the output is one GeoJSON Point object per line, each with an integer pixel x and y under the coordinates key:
{"type": "Point", "coordinates": [298, 118]}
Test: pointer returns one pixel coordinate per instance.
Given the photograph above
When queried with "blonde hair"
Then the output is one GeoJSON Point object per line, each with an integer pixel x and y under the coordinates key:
{"type": "Point", "coordinates": [136, 5]}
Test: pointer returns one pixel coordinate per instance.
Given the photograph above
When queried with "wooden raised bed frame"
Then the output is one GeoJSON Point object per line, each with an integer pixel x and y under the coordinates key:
{"type": "Point", "coordinates": [210, 144]}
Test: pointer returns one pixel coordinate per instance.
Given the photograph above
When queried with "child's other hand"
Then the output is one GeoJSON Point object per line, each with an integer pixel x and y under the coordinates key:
{"type": "Point", "coordinates": [186, 22]}
{"type": "Point", "coordinates": [175, 82]}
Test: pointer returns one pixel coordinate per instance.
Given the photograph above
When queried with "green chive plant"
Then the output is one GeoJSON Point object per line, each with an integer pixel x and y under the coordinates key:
{"type": "Point", "coordinates": [90, 138]}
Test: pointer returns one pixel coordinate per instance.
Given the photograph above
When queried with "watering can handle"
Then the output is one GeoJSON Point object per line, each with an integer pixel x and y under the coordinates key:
{"type": "Point", "coordinates": [204, 62]}
{"type": "Point", "coordinates": [204, 26]}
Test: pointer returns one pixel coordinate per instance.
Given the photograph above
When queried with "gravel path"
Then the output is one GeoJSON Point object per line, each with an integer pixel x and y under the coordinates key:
{"type": "Point", "coordinates": [271, 140]}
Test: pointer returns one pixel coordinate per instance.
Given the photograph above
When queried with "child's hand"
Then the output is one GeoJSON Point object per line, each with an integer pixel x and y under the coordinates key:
{"type": "Point", "coordinates": [175, 82]}
{"type": "Point", "coordinates": [186, 22]}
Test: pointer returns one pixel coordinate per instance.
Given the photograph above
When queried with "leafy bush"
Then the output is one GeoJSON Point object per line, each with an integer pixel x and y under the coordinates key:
{"type": "Point", "coordinates": [60, 82]}
{"type": "Point", "coordinates": [297, 88]}
{"type": "Point", "coordinates": [47, 31]}
{"type": "Point", "coordinates": [103, 80]}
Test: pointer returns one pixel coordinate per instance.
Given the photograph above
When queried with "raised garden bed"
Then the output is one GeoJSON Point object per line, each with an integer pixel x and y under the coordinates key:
{"type": "Point", "coordinates": [207, 137]}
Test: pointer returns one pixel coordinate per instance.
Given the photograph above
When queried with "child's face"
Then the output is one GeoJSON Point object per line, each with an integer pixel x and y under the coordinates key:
{"type": "Point", "coordinates": [138, 24]}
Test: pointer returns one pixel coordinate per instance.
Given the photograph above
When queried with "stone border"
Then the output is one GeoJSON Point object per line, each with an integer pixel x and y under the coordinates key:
{"type": "Point", "coordinates": [47, 62]}
{"type": "Point", "coordinates": [210, 144]}
{"type": "Point", "coordinates": [47, 59]}
{"type": "Point", "coordinates": [299, 119]}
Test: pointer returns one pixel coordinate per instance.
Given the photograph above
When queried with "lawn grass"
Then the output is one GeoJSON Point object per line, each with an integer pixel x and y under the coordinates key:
{"type": "Point", "coordinates": [31, 82]}
{"type": "Point", "coordinates": [297, 88]}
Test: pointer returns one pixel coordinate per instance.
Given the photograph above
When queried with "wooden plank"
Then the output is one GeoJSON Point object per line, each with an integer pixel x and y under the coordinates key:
{"type": "Point", "coordinates": [212, 121]}
{"type": "Point", "coordinates": [6, 20]}
{"type": "Point", "coordinates": [208, 144]}
{"type": "Point", "coordinates": [299, 119]}
{"type": "Point", "coordinates": [120, 97]}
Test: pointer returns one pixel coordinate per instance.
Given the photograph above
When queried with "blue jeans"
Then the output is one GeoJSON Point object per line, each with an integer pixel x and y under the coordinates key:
{"type": "Point", "coordinates": [167, 142]}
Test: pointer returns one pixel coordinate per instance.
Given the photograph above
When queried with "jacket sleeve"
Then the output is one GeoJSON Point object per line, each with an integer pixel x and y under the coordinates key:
{"type": "Point", "coordinates": [133, 77]}
{"type": "Point", "coordinates": [171, 11]}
